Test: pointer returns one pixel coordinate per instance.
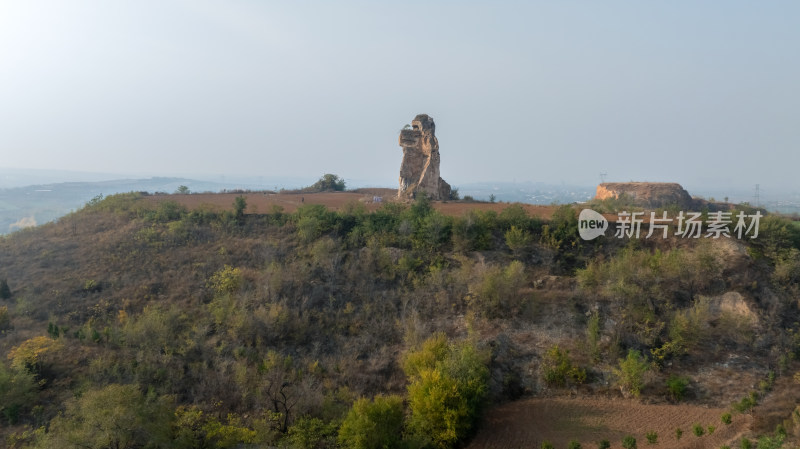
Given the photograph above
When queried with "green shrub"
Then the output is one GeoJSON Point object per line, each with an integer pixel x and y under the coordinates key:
{"type": "Point", "coordinates": [311, 433]}
{"type": "Point", "coordinates": [745, 443]}
{"type": "Point", "coordinates": [773, 442]}
{"type": "Point", "coordinates": [496, 292]}
{"type": "Point", "coordinates": [652, 437]}
{"type": "Point", "coordinates": [711, 429]}
{"type": "Point", "coordinates": [746, 403]}
{"type": "Point", "coordinates": [726, 418]}
{"type": "Point", "coordinates": [229, 434]}
{"type": "Point", "coordinates": [574, 444]}
{"type": "Point", "coordinates": [113, 416]}
{"type": "Point", "coordinates": [433, 233]}
{"type": "Point", "coordinates": [166, 211]}
{"type": "Point", "coordinates": [629, 442]}
{"type": "Point", "coordinates": [558, 368]}
{"type": "Point", "coordinates": [194, 429]}
{"type": "Point", "coordinates": [547, 445]}
{"type": "Point", "coordinates": [676, 387]}
{"type": "Point", "coordinates": [473, 231]}
{"type": "Point", "coordinates": [678, 433]}
{"type": "Point", "coordinates": [603, 444]}
{"type": "Point", "coordinates": [373, 424]}
{"type": "Point", "coordinates": [698, 430]}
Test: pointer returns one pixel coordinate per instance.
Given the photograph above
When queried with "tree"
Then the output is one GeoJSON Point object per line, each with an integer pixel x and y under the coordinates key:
{"type": "Point", "coordinates": [183, 190]}
{"type": "Point", "coordinates": [5, 319]}
{"type": "Point", "coordinates": [328, 182]}
{"type": "Point", "coordinates": [562, 231]}
{"type": "Point", "coordinates": [116, 416]}
{"type": "Point", "coordinates": [517, 240]}
{"type": "Point", "coordinates": [5, 290]}
{"type": "Point", "coordinates": [630, 373]}
{"type": "Point", "coordinates": [29, 354]}
{"type": "Point", "coordinates": [375, 424]}
{"type": "Point", "coordinates": [226, 281]}
{"type": "Point", "coordinates": [17, 389]}
{"type": "Point", "coordinates": [448, 385]}
{"type": "Point", "coordinates": [239, 205]}
{"type": "Point", "coordinates": [454, 195]}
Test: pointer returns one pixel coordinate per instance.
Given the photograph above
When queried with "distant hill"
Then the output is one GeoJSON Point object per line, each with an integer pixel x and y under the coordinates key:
{"type": "Point", "coordinates": [31, 205]}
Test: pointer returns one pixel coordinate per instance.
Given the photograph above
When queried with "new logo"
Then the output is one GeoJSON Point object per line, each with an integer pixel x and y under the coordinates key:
{"type": "Point", "coordinates": [591, 224]}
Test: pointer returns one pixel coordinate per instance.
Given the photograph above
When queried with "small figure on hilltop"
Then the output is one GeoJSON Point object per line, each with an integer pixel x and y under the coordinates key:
{"type": "Point", "coordinates": [419, 171]}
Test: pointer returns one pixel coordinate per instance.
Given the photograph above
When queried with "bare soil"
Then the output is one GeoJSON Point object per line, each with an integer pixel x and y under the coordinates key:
{"type": "Point", "coordinates": [527, 423]}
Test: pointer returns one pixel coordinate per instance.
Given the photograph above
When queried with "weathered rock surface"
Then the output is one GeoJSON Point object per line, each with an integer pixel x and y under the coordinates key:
{"type": "Point", "coordinates": [647, 194]}
{"type": "Point", "coordinates": [419, 171]}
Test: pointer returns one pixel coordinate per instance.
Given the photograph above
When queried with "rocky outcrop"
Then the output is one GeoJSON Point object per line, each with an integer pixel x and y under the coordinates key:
{"type": "Point", "coordinates": [646, 194]}
{"type": "Point", "coordinates": [419, 171]}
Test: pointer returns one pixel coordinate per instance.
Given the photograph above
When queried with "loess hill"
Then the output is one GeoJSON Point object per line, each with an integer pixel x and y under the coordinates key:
{"type": "Point", "coordinates": [203, 326]}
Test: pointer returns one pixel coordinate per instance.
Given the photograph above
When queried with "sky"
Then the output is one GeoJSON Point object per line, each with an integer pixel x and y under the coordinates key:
{"type": "Point", "coordinates": [704, 93]}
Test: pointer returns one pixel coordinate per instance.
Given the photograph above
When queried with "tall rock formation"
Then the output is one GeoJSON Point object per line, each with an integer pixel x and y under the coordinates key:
{"type": "Point", "coordinates": [419, 171]}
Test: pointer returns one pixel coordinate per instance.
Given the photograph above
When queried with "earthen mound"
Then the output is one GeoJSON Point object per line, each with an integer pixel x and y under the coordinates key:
{"type": "Point", "coordinates": [646, 194]}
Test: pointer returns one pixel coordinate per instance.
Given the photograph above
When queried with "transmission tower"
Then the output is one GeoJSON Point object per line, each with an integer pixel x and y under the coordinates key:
{"type": "Point", "coordinates": [757, 196]}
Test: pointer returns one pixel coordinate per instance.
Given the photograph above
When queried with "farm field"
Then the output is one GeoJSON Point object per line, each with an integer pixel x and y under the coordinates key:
{"type": "Point", "coordinates": [527, 423]}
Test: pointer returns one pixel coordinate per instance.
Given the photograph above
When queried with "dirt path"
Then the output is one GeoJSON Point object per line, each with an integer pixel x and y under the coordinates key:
{"type": "Point", "coordinates": [526, 423]}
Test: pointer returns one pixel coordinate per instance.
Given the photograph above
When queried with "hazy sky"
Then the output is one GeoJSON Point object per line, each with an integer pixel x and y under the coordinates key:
{"type": "Point", "coordinates": [699, 92]}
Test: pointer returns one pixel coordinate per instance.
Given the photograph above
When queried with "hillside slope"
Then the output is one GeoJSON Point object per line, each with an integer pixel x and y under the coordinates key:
{"type": "Point", "coordinates": [264, 328]}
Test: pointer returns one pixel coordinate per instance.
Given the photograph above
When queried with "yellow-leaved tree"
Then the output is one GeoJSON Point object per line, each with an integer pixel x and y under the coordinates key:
{"type": "Point", "coordinates": [448, 384]}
